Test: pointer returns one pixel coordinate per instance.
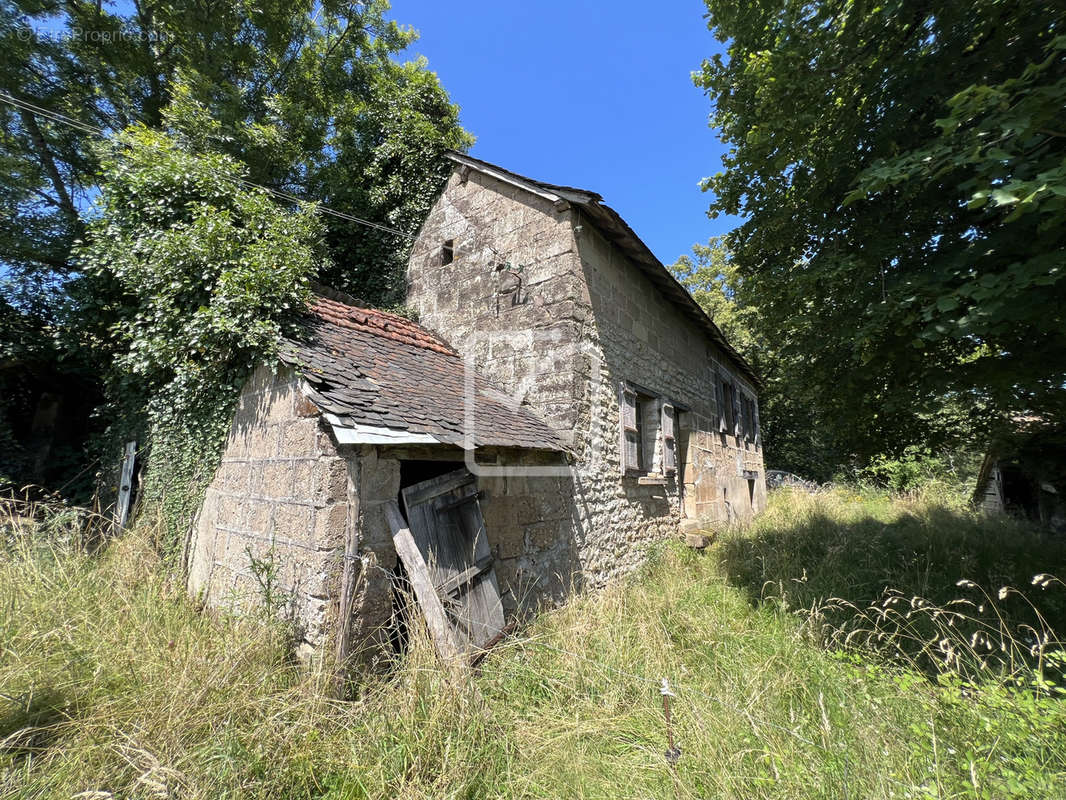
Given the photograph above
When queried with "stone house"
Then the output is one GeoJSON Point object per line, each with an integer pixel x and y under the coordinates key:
{"type": "Point", "coordinates": [590, 403]}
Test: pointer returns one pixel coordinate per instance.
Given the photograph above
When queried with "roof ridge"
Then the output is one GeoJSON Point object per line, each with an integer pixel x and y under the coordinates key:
{"type": "Point", "coordinates": [620, 235]}
{"type": "Point", "coordinates": [381, 323]}
{"type": "Point", "coordinates": [455, 155]}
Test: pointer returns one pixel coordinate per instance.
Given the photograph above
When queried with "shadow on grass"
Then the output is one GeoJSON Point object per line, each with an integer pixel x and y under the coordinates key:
{"type": "Point", "coordinates": [846, 565]}
{"type": "Point", "coordinates": [32, 723]}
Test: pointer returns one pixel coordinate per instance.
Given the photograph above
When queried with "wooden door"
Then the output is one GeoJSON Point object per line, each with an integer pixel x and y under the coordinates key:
{"type": "Point", "coordinates": [446, 523]}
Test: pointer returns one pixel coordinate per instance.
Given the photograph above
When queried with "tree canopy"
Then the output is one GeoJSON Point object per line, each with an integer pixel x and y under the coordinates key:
{"type": "Point", "coordinates": [309, 97]}
{"type": "Point", "coordinates": [901, 169]}
{"type": "Point", "coordinates": [795, 437]}
{"type": "Point", "coordinates": [202, 274]}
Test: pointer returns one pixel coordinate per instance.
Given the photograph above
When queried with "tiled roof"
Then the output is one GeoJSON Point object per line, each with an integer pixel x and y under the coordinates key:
{"type": "Point", "coordinates": [378, 370]}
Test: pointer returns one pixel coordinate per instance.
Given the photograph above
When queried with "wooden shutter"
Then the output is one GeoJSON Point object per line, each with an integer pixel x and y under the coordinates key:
{"type": "Point", "coordinates": [719, 399]}
{"type": "Point", "coordinates": [669, 443]}
{"type": "Point", "coordinates": [755, 421]}
{"type": "Point", "coordinates": [629, 432]}
{"type": "Point", "coordinates": [446, 523]}
{"type": "Point", "coordinates": [735, 392]}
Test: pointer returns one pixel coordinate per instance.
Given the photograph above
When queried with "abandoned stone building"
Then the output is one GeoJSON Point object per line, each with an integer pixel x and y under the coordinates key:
{"type": "Point", "coordinates": [1024, 473]}
{"type": "Point", "coordinates": [562, 404]}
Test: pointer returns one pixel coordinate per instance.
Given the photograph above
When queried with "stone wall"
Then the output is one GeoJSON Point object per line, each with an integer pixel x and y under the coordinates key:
{"type": "Point", "coordinates": [715, 489]}
{"type": "Point", "coordinates": [279, 502]}
{"type": "Point", "coordinates": [645, 340]}
{"type": "Point", "coordinates": [511, 297]}
{"type": "Point", "coordinates": [585, 318]}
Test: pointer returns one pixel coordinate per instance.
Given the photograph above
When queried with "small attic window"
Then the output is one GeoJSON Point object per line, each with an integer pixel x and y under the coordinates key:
{"type": "Point", "coordinates": [447, 252]}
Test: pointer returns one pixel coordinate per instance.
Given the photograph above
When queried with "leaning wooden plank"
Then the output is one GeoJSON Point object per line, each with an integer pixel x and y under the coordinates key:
{"type": "Point", "coordinates": [418, 574]}
{"type": "Point", "coordinates": [484, 594]}
{"type": "Point", "coordinates": [479, 655]}
{"type": "Point", "coordinates": [453, 584]}
{"type": "Point", "coordinates": [125, 486]}
{"type": "Point", "coordinates": [434, 487]}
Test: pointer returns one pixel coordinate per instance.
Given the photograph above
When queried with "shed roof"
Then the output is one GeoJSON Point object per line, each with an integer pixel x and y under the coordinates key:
{"type": "Point", "coordinates": [610, 223]}
{"type": "Point", "coordinates": [381, 378]}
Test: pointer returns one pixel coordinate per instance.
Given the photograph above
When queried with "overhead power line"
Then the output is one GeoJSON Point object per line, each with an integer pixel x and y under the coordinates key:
{"type": "Point", "coordinates": [93, 130]}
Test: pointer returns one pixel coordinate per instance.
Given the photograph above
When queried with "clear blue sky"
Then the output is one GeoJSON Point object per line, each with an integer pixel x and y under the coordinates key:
{"type": "Point", "coordinates": [589, 94]}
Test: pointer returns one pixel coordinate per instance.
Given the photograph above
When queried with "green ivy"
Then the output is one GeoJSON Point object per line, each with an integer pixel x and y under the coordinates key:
{"type": "Point", "coordinates": [206, 272]}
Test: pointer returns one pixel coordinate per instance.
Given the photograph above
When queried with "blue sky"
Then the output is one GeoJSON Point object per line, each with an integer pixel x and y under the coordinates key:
{"type": "Point", "coordinates": [589, 94]}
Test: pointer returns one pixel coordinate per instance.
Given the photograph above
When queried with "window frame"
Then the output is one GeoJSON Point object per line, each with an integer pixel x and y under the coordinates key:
{"type": "Point", "coordinates": [639, 408]}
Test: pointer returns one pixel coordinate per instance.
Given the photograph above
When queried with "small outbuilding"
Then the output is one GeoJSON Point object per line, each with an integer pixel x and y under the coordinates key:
{"type": "Point", "coordinates": [1024, 474]}
{"type": "Point", "coordinates": [364, 406]}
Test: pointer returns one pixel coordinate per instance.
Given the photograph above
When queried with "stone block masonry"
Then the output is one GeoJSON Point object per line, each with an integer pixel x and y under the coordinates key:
{"type": "Point", "coordinates": [559, 316]}
{"type": "Point", "coordinates": [277, 511]}
{"type": "Point", "coordinates": [567, 315]}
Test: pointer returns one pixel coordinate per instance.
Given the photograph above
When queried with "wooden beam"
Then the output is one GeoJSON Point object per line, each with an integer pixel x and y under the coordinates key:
{"type": "Point", "coordinates": [418, 573]}
{"type": "Point", "coordinates": [466, 498]}
{"type": "Point", "coordinates": [438, 486]}
{"type": "Point", "coordinates": [452, 584]}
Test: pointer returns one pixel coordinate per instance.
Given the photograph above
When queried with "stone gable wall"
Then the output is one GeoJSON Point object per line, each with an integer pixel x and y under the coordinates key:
{"type": "Point", "coordinates": [587, 319]}
{"type": "Point", "coordinates": [511, 299]}
{"type": "Point", "coordinates": [280, 496]}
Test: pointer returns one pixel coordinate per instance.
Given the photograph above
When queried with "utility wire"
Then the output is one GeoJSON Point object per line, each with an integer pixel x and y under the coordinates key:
{"type": "Point", "coordinates": [93, 130]}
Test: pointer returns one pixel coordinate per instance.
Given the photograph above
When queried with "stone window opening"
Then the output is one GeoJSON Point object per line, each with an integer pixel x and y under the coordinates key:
{"type": "Point", "coordinates": [447, 252]}
{"type": "Point", "coordinates": [728, 402]}
{"type": "Point", "coordinates": [643, 410]}
{"type": "Point", "coordinates": [749, 420]}
{"type": "Point", "coordinates": [647, 436]}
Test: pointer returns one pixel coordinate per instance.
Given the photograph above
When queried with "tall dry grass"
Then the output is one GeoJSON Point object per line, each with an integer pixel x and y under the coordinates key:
{"type": "Point", "coordinates": [115, 685]}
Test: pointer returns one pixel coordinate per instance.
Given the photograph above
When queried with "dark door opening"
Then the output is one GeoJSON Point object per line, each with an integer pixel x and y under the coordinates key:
{"type": "Point", "coordinates": [403, 604]}
{"type": "Point", "coordinates": [412, 472]}
{"type": "Point", "coordinates": [1019, 492]}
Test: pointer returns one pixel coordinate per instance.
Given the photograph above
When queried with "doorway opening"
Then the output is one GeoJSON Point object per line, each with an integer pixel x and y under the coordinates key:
{"type": "Point", "coordinates": [404, 607]}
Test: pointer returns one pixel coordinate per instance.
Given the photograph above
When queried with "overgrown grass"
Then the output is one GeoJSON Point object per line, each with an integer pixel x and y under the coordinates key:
{"type": "Point", "coordinates": [114, 685]}
{"type": "Point", "coordinates": [917, 578]}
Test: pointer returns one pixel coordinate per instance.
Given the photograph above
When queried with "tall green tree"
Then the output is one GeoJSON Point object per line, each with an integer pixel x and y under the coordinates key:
{"type": "Point", "coordinates": [711, 277]}
{"type": "Point", "coordinates": [308, 96]}
{"type": "Point", "coordinates": [900, 168]}
{"type": "Point", "coordinates": [794, 437]}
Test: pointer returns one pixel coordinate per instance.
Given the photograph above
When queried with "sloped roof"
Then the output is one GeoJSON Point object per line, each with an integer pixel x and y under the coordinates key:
{"type": "Point", "coordinates": [382, 378]}
{"type": "Point", "coordinates": [615, 230]}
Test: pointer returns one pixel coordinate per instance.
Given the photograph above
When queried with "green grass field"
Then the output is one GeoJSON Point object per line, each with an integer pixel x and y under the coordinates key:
{"type": "Point", "coordinates": [795, 674]}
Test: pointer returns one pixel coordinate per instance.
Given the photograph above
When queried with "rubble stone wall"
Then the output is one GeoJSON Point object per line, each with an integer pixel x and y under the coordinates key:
{"type": "Point", "coordinates": [646, 341]}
